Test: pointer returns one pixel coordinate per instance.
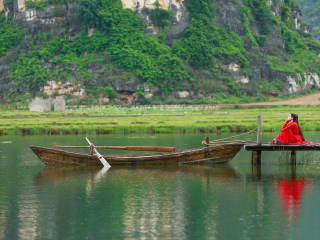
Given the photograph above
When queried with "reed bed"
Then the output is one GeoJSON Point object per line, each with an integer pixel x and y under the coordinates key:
{"type": "Point", "coordinates": [307, 159]}
{"type": "Point", "coordinates": [124, 120]}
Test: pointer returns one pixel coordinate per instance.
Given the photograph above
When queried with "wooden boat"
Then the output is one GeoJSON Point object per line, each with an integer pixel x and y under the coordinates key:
{"type": "Point", "coordinates": [214, 154]}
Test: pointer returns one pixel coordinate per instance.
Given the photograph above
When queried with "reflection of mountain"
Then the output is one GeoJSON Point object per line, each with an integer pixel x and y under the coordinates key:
{"type": "Point", "coordinates": [290, 191]}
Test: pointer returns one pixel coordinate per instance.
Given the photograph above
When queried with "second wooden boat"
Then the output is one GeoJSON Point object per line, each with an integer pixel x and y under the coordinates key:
{"type": "Point", "coordinates": [214, 154]}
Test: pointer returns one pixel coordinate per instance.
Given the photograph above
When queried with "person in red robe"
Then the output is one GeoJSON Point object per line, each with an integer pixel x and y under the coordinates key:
{"type": "Point", "coordinates": [291, 132]}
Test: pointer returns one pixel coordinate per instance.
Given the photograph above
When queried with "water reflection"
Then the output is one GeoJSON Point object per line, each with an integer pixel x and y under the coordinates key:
{"type": "Point", "coordinates": [175, 202]}
{"type": "Point", "coordinates": [291, 191]}
{"type": "Point", "coordinates": [146, 202]}
{"type": "Point", "coordinates": [102, 172]}
{"type": "Point", "coordinates": [61, 173]}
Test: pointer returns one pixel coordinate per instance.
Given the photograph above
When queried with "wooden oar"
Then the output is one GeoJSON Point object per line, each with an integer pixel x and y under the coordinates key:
{"type": "Point", "coordinates": [102, 160]}
{"type": "Point", "coordinates": [131, 148]}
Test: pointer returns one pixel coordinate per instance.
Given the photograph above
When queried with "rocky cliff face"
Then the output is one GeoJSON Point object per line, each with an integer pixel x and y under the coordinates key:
{"type": "Point", "coordinates": [60, 20]}
{"type": "Point", "coordinates": [179, 21]}
{"type": "Point", "coordinates": [228, 15]}
{"type": "Point", "coordinates": [311, 14]}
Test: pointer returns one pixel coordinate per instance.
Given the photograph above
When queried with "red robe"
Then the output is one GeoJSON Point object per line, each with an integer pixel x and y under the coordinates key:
{"type": "Point", "coordinates": [290, 134]}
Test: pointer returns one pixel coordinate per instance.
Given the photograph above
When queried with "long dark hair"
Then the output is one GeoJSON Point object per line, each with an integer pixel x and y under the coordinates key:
{"type": "Point", "coordinates": [295, 119]}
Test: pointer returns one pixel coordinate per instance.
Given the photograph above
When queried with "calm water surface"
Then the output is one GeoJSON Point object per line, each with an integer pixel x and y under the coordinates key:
{"type": "Point", "coordinates": [175, 202]}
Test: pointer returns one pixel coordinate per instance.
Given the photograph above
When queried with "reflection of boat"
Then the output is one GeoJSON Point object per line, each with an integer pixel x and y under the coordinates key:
{"type": "Point", "coordinates": [57, 173]}
{"type": "Point", "coordinates": [61, 173]}
{"type": "Point", "coordinates": [215, 154]}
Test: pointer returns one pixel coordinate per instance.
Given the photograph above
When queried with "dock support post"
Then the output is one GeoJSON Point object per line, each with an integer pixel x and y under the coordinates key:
{"type": "Point", "coordinates": [293, 171]}
{"type": "Point", "coordinates": [256, 155]}
{"type": "Point", "coordinates": [256, 171]}
{"type": "Point", "coordinates": [206, 139]}
{"type": "Point", "coordinates": [256, 158]}
{"type": "Point", "coordinates": [293, 157]}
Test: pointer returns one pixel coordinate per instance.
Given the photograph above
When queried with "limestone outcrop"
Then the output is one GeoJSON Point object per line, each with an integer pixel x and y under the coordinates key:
{"type": "Point", "coordinates": [60, 20]}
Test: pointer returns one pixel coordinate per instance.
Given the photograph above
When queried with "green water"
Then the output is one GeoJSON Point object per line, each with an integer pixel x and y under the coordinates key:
{"type": "Point", "coordinates": [175, 202]}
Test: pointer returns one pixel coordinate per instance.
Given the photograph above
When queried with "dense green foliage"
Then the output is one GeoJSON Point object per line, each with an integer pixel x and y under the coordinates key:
{"type": "Point", "coordinates": [10, 36]}
{"type": "Point", "coordinates": [39, 5]}
{"type": "Point", "coordinates": [159, 17]}
{"type": "Point", "coordinates": [129, 48]}
{"type": "Point", "coordinates": [262, 14]}
{"type": "Point", "coordinates": [88, 12]}
{"type": "Point", "coordinates": [204, 43]}
{"type": "Point", "coordinates": [301, 51]}
{"type": "Point", "coordinates": [285, 11]}
{"type": "Point", "coordinates": [120, 38]}
{"type": "Point", "coordinates": [245, 13]}
{"type": "Point", "coordinates": [107, 90]}
{"type": "Point", "coordinates": [29, 70]}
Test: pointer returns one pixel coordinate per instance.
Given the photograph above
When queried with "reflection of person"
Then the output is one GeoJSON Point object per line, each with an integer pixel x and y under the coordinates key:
{"type": "Point", "coordinates": [290, 191]}
{"type": "Point", "coordinates": [291, 132]}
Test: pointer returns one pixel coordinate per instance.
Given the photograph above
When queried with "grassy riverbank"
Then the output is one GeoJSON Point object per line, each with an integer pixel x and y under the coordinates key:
{"type": "Point", "coordinates": [136, 120]}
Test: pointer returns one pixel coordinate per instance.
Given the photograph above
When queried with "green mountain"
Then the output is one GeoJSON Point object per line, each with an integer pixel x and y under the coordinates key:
{"type": "Point", "coordinates": [196, 51]}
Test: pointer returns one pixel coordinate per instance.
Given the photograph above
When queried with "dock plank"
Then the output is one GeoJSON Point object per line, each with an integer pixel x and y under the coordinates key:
{"type": "Point", "coordinates": [270, 147]}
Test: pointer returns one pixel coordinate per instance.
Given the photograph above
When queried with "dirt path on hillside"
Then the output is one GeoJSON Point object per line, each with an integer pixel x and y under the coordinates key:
{"type": "Point", "coordinates": [306, 100]}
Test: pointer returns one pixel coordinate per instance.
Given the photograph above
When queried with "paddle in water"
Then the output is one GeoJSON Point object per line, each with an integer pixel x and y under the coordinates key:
{"type": "Point", "coordinates": [102, 160]}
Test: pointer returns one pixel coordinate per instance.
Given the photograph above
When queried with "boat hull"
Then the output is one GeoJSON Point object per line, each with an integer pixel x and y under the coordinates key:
{"type": "Point", "coordinates": [214, 154]}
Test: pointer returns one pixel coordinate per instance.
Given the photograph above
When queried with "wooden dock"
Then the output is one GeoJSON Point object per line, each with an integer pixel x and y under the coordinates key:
{"type": "Point", "coordinates": [259, 147]}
